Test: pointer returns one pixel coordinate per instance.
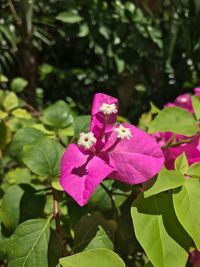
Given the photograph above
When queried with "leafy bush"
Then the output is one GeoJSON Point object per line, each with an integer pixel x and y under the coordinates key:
{"type": "Point", "coordinates": [41, 225]}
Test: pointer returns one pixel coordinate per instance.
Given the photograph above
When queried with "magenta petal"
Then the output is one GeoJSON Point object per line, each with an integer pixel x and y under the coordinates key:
{"type": "Point", "coordinates": [192, 151]}
{"type": "Point", "coordinates": [98, 118]}
{"type": "Point", "coordinates": [78, 179]}
{"type": "Point", "coordinates": [197, 91]}
{"type": "Point", "coordinates": [135, 160]}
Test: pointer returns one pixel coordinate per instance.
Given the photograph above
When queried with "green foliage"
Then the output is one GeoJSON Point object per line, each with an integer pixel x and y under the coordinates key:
{"type": "Point", "coordinates": [166, 180]}
{"type": "Point", "coordinates": [196, 106]}
{"type": "Point", "coordinates": [181, 164]}
{"type": "Point", "coordinates": [186, 203]}
{"type": "Point", "coordinates": [99, 257]}
{"type": "Point", "coordinates": [37, 157]}
{"type": "Point", "coordinates": [176, 120]}
{"type": "Point", "coordinates": [58, 115]}
{"type": "Point", "coordinates": [28, 246]}
{"type": "Point", "coordinates": [159, 232]}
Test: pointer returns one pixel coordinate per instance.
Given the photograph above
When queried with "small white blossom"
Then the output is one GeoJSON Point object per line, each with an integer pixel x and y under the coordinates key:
{"type": "Point", "coordinates": [123, 132]}
{"type": "Point", "coordinates": [86, 140]}
{"type": "Point", "coordinates": [108, 109]}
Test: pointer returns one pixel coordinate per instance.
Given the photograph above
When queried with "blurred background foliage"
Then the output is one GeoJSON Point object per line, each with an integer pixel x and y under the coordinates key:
{"type": "Point", "coordinates": [135, 50]}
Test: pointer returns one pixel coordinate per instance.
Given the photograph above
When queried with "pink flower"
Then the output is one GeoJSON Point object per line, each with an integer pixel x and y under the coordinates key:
{"type": "Point", "coordinates": [122, 152]}
{"type": "Point", "coordinates": [194, 258]}
{"type": "Point", "coordinates": [191, 149]}
{"type": "Point", "coordinates": [197, 91]}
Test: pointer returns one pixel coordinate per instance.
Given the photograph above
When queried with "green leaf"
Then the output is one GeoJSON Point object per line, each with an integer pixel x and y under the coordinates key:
{"type": "Point", "coordinates": [81, 124]}
{"type": "Point", "coordinates": [18, 176]}
{"type": "Point", "coordinates": [10, 101]}
{"type": "Point", "coordinates": [84, 30]}
{"type": "Point", "coordinates": [167, 179]}
{"type": "Point", "coordinates": [3, 115]}
{"type": "Point", "coordinates": [181, 163]}
{"type": "Point", "coordinates": [119, 63]}
{"type": "Point", "coordinates": [69, 17]}
{"type": "Point", "coordinates": [18, 84]}
{"type": "Point", "coordinates": [176, 120]}
{"type": "Point", "coordinates": [21, 114]}
{"type": "Point", "coordinates": [159, 232]}
{"type": "Point", "coordinates": [28, 246]}
{"type": "Point", "coordinates": [95, 257]}
{"type": "Point", "coordinates": [101, 240]}
{"type": "Point", "coordinates": [24, 137]}
{"type": "Point", "coordinates": [58, 115]}
{"type": "Point", "coordinates": [10, 207]}
{"type": "Point", "coordinates": [196, 106]}
{"type": "Point", "coordinates": [187, 204]}
{"type": "Point", "coordinates": [43, 157]}
{"type": "Point", "coordinates": [194, 170]}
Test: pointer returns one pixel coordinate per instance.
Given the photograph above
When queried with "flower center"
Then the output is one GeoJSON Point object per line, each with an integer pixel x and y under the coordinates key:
{"type": "Point", "coordinates": [108, 109]}
{"type": "Point", "coordinates": [123, 132]}
{"type": "Point", "coordinates": [86, 140]}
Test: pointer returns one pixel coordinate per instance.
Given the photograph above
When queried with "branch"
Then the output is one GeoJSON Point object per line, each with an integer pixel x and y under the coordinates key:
{"type": "Point", "coordinates": [56, 214]}
{"type": "Point", "coordinates": [14, 12]}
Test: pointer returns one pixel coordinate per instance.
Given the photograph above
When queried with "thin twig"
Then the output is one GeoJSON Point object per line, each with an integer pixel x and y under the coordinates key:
{"type": "Point", "coordinates": [57, 219]}
{"type": "Point", "coordinates": [14, 12]}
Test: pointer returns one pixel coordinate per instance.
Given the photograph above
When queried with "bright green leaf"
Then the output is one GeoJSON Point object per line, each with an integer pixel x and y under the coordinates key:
{"type": "Point", "coordinates": [28, 246]}
{"type": "Point", "coordinates": [10, 101]}
{"type": "Point", "coordinates": [21, 114]}
{"type": "Point", "coordinates": [95, 257]}
{"type": "Point", "coordinates": [196, 106]}
{"type": "Point", "coordinates": [101, 240]}
{"type": "Point", "coordinates": [159, 232]}
{"type": "Point", "coordinates": [58, 115]}
{"type": "Point", "coordinates": [43, 157]}
{"type": "Point", "coordinates": [181, 163]}
{"type": "Point", "coordinates": [18, 176]}
{"type": "Point", "coordinates": [69, 17]}
{"type": "Point", "coordinates": [176, 120]}
{"type": "Point", "coordinates": [18, 84]}
{"type": "Point", "coordinates": [167, 179]}
{"type": "Point", "coordinates": [3, 115]}
{"type": "Point", "coordinates": [187, 204]}
{"type": "Point", "coordinates": [194, 170]}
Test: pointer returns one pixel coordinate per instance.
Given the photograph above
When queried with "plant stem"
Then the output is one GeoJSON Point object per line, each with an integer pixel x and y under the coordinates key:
{"type": "Point", "coordinates": [109, 194]}
{"type": "Point", "coordinates": [56, 213]}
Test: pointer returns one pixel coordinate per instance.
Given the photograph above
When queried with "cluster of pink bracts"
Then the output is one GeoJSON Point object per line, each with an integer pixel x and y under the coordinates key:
{"type": "Point", "coordinates": [121, 152]}
{"type": "Point", "coordinates": [191, 149]}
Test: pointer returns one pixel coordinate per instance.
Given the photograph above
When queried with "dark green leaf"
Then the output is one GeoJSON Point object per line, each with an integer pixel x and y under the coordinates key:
{"type": "Point", "coordinates": [58, 115]}
{"type": "Point", "coordinates": [10, 207]}
{"type": "Point", "coordinates": [81, 124]}
{"type": "Point", "coordinates": [43, 157]}
{"type": "Point", "coordinates": [23, 137]}
{"type": "Point", "coordinates": [28, 246]}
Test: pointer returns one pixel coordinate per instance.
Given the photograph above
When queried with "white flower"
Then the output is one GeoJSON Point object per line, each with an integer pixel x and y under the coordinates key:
{"type": "Point", "coordinates": [123, 132]}
{"type": "Point", "coordinates": [108, 109]}
{"type": "Point", "coordinates": [86, 140]}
